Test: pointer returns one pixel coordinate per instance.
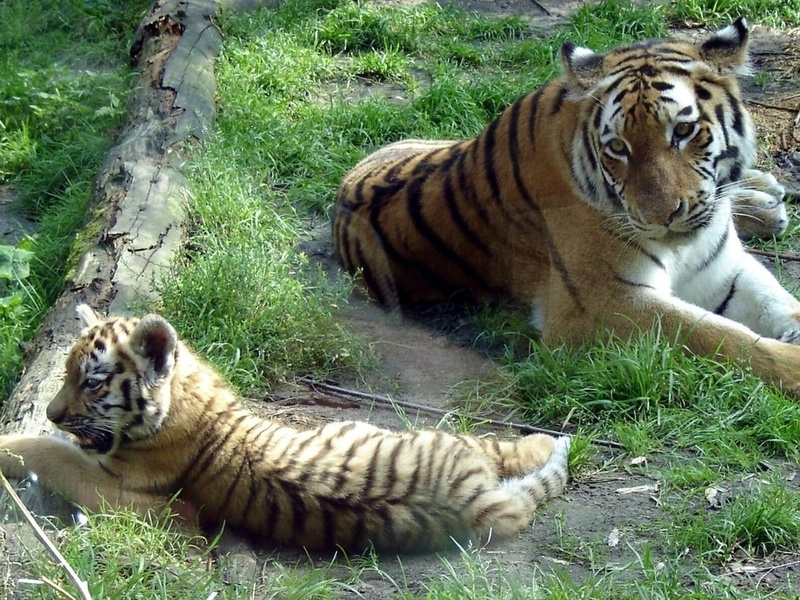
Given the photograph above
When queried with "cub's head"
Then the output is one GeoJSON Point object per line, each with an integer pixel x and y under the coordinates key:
{"type": "Point", "coordinates": [663, 130]}
{"type": "Point", "coordinates": [117, 381]}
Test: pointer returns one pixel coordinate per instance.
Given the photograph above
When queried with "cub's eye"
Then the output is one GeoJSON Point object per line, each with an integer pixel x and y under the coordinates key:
{"type": "Point", "coordinates": [683, 130]}
{"type": "Point", "coordinates": [617, 147]}
{"type": "Point", "coordinates": [92, 384]}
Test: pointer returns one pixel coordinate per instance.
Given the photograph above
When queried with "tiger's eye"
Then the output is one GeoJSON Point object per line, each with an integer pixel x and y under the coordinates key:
{"type": "Point", "coordinates": [617, 146]}
{"type": "Point", "coordinates": [683, 129]}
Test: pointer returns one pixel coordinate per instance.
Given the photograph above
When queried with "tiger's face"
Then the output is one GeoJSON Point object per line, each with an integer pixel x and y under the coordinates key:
{"type": "Point", "coordinates": [116, 385]}
{"type": "Point", "coordinates": [665, 131]}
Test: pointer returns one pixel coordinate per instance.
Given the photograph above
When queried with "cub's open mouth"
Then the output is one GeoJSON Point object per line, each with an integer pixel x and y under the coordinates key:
{"type": "Point", "coordinates": [101, 441]}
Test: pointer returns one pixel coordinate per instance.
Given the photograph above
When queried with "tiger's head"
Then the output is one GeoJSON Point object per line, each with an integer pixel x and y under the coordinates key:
{"type": "Point", "coordinates": [117, 381]}
{"type": "Point", "coordinates": [664, 130]}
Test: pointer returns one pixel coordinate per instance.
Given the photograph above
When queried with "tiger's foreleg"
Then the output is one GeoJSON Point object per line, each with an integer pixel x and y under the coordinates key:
{"type": "Point", "coordinates": [758, 300]}
{"type": "Point", "coordinates": [700, 331]}
{"type": "Point", "coordinates": [64, 468]}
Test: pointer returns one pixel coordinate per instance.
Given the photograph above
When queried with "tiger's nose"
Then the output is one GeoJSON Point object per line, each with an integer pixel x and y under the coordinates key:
{"type": "Point", "coordinates": [668, 217]}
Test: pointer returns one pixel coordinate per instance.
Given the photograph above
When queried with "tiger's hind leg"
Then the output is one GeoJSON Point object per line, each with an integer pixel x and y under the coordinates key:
{"type": "Point", "coordinates": [509, 508]}
{"type": "Point", "coordinates": [757, 205]}
{"type": "Point", "coordinates": [514, 457]}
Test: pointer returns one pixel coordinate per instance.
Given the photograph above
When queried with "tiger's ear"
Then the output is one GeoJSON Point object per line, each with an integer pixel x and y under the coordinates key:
{"type": "Point", "coordinates": [727, 48]}
{"type": "Point", "coordinates": [87, 315]}
{"type": "Point", "coordinates": [583, 67]}
{"type": "Point", "coordinates": [155, 339]}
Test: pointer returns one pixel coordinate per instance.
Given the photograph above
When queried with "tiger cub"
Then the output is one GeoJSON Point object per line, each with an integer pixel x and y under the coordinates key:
{"type": "Point", "coordinates": [606, 199]}
{"type": "Point", "coordinates": [150, 420]}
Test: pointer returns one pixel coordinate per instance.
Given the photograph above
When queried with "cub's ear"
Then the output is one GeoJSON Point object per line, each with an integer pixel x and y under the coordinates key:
{"type": "Point", "coordinates": [583, 67]}
{"type": "Point", "coordinates": [155, 339]}
{"type": "Point", "coordinates": [727, 48]}
{"type": "Point", "coordinates": [87, 315]}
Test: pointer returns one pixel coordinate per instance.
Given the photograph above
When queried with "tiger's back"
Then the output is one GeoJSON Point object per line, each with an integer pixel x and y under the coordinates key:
{"type": "Point", "coordinates": [420, 221]}
{"type": "Point", "coordinates": [149, 421]}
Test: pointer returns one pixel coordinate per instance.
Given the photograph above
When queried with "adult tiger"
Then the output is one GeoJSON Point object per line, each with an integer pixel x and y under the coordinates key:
{"type": "Point", "coordinates": [604, 199]}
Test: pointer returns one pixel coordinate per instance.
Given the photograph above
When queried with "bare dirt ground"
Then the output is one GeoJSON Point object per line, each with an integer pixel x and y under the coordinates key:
{"type": "Point", "coordinates": [421, 364]}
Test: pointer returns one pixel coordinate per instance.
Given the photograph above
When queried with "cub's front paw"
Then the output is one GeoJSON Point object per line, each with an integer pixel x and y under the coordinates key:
{"type": "Point", "coordinates": [12, 463]}
{"type": "Point", "coordinates": [757, 204]}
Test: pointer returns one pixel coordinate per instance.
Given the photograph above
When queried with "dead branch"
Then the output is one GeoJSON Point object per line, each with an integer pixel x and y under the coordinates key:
{"type": "Point", "coordinates": [788, 109]}
{"type": "Point", "coordinates": [387, 401]}
{"type": "Point", "coordinates": [772, 254]}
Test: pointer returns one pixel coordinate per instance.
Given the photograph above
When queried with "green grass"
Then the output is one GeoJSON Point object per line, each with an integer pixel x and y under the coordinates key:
{"type": "Point", "coordinates": [63, 83]}
{"type": "Point", "coordinates": [720, 12]}
{"type": "Point", "coordinates": [304, 92]}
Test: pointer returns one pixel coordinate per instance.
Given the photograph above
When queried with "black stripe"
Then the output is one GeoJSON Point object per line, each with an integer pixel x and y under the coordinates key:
{"type": "Point", "coordinates": [391, 175]}
{"type": "Point", "coordinates": [212, 449]}
{"type": "Point", "coordinates": [719, 112]}
{"type": "Point", "coordinates": [458, 218]}
{"type": "Point", "coordinates": [723, 306]}
{"type": "Point", "coordinates": [328, 526]}
{"type": "Point", "coordinates": [391, 470]}
{"type": "Point", "coordinates": [432, 278]}
{"type": "Point", "coordinates": [636, 284]}
{"type": "Point", "coordinates": [368, 481]}
{"type": "Point", "coordinates": [414, 197]}
{"type": "Point", "coordinates": [711, 258]}
{"type": "Point", "coordinates": [702, 92]}
{"type": "Point", "coordinates": [561, 95]}
{"type": "Point", "coordinates": [125, 386]}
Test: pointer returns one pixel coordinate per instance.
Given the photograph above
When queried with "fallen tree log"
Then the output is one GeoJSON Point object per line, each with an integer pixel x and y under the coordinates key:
{"type": "Point", "coordinates": [136, 204]}
{"type": "Point", "coordinates": [136, 210]}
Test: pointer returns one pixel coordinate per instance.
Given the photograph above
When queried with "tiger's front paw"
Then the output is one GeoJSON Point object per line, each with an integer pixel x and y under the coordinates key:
{"type": "Point", "coordinates": [791, 336]}
{"type": "Point", "coordinates": [12, 463]}
{"type": "Point", "coordinates": [757, 204]}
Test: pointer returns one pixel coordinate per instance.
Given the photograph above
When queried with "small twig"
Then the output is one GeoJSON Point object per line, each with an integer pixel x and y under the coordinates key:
{"type": "Point", "coordinates": [772, 106]}
{"type": "Point", "coordinates": [336, 389]}
{"type": "Point", "coordinates": [82, 587]}
{"type": "Point", "coordinates": [773, 254]}
{"type": "Point", "coordinates": [542, 7]}
{"type": "Point", "coordinates": [769, 569]}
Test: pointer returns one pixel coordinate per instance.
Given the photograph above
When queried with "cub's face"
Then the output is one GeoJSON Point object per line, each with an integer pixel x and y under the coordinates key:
{"type": "Point", "coordinates": [116, 386]}
{"type": "Point", "coordinates": [664, 131]}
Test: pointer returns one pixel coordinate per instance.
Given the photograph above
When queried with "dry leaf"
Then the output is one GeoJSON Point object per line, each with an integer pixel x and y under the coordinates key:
{"type": "Point", "coordinates": [613, 538]}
